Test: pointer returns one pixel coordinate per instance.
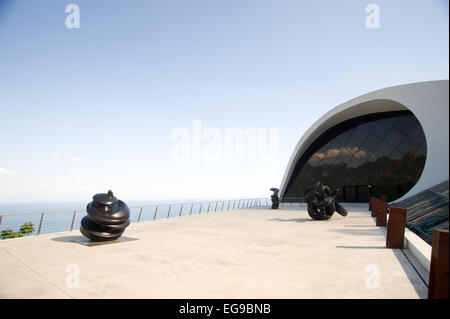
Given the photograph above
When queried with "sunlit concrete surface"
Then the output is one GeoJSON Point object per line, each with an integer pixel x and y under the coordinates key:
{"type": "Point", "coordinates": [247, 253]}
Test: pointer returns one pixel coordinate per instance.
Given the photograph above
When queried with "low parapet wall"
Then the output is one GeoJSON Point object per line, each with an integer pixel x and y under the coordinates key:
{"type": "Point", "coordinates": [419, 248]}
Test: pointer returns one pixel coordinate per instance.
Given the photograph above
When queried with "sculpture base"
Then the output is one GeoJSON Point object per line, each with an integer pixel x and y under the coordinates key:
{"type": "Point", "coordinates": [89, 243]}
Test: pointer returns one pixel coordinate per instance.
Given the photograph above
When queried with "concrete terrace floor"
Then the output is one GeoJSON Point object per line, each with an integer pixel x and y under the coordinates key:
{"type": "Point", "coordinates": [246, 253]}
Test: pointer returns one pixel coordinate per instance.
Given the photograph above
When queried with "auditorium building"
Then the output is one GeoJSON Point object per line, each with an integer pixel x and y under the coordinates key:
{"type": "Point", "coordinates": [392, 142]}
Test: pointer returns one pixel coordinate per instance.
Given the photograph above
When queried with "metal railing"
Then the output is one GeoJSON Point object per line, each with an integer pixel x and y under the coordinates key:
{"type": "Point", "coordinates": [59, 221]}
{"type": "Point", "coordinates": [292, 200]}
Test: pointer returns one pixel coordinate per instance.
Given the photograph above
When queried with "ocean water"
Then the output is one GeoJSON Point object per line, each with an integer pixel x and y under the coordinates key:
{"type": "Point", "coordinates": [59, 216]}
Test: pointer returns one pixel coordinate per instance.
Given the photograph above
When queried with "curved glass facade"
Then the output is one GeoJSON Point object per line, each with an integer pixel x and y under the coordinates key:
{"type": "Point", "coordinates": [379, 154]}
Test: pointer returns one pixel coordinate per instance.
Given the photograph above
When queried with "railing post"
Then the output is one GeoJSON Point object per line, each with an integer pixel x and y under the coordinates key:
{"type": "Point", "coordinates": [1, 216]}
{"type": "Point", "coordinates": [209, 204]}
{"type": "Point", "coordinates": [438, 280]}
{"type": "Point", "coordinates": [200, 211]}
{"type": "Point", "coordinates": [223, 204]}
{"type": "Point", "coordinates": [156, 209]}
{"type": "Point", "coordinates": [234, 204]}
{"type": "Point", "coordinates": [396, 228]}
{"type": "Point", "coordinates": [73, 219]}
{"type": "Point", "coordinates": [228, 205]}
{"type": "Point", "coordinates": [190, 211]}
{"type": "Point", "coordinates": [181, 209]}
{"type": "Point", "coordinates": [382, 213]}
{"type": "Point", "coordinates": [267, 203]}
{"type": "Point", "coordinates": [215, 208]}
{"type": "Point", "coordinates": [40, 224]}
{"type": "Point", "coordinates": [372, 206]}
{"type": "Point", "coordinates": [168, 213]}
{"type": "Point", "coordinates": [140, 213]}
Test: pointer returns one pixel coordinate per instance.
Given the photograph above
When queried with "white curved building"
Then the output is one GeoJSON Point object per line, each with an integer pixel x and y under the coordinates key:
{"type": "Point", "coordinates": [395, 139]}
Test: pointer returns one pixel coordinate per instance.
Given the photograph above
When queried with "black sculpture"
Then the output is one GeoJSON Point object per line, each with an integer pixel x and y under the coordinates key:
{"type": "Point", "coordinates": [107, 218]}
{"type": "Point", "coordinates": [322, 203]}
{"type": "Point", "coordinates": [274, 198]}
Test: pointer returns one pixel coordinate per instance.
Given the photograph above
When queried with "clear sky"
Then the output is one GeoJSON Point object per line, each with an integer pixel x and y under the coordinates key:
{"type": "Point", "coordinates": [84, 110]}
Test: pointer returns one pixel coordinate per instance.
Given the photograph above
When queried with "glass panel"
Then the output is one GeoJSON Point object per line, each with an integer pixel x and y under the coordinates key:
{"type": "Point", "coordinates": [405, 124]}
{"type": "Point", "coordinates": [408, 145]}
{"type": "Point", "coordinates": [363, 194]}
{"type": "Point", "coordinates": [397, 155]}
{"type": "Point", "coordinates": [422, 151]}
{"type": "Point", "coordinates": [361, 133]}
{"type": "Point", "coordinates": [352, 142]}
{"type": "Point", "coordinates": [394, 138]}
{"type": "Point", "coordinates": [354, 162]}
{"type": "Point", "coordinates": [317, 157]}
{"type": "Point", "coordinates": [350, 194]}
{"type": "Point", "coordinates": [364, 153]}
{"type": "Point", "coordinates": [343, 138]}
{"type": "Point", "coordinates": [372, 158]}
{"type": "Point", "coordinates": [369, 125]}
{"type": "Point", "coordinates": [380, 130]}
{"type": "Point", "coordinates": [416, 134]}
{"type": "Point", "coordinates": [372, 142]}
{"type": "Point", "coordinates": [374, 152]}
{"type": "Point", "coordinates": [384, 150]}
{"type": "Point", "coordinates": [390, 122]}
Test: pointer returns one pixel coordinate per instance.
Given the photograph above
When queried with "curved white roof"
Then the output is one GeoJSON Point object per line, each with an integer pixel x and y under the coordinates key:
{"type": "Point", "coordinates": [428, 101]}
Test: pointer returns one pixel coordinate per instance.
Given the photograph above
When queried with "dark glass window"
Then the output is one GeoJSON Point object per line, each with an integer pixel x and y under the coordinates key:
{"type": "Point", "coordinates": [384, 150]}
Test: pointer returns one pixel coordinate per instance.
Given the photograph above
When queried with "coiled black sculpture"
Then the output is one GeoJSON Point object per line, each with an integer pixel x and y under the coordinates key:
{"type": "Point", "coordinates": [322, 203]}
{"type": "Point", "coordinates": [107, 218]}
{"type": "Point", "coordinates": [275, 199]}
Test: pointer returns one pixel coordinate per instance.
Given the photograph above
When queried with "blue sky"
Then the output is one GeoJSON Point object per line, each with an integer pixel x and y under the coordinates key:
{"type": "Point", "coordinates": [91, 109]}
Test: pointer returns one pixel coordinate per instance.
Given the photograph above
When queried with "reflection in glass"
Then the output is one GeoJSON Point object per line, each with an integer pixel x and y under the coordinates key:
{"type": "Point", "coordinates": [384, 150]}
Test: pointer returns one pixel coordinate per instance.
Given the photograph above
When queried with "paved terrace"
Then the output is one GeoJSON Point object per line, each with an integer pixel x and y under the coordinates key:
{"type": "Point", "coordinates": [246, 253]}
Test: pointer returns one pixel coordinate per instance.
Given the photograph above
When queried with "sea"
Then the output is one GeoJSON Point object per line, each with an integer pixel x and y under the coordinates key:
{"type": "Point", "coordinates": [54, 217]}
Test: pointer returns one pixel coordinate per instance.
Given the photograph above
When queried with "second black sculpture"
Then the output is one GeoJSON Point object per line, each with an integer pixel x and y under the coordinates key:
{"type": "Point", "coordinates": [322, 202]}
{"type": "Point", "coordinates": [274, 198]}
{"type": "Point", "coordinates": [107, 218]}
